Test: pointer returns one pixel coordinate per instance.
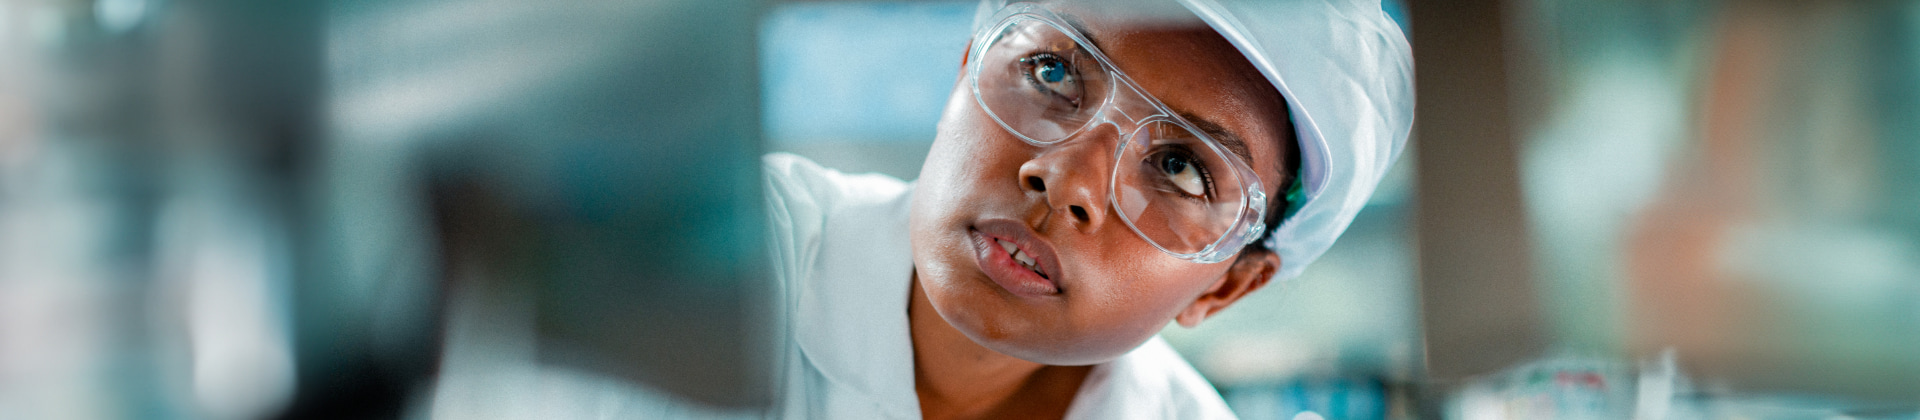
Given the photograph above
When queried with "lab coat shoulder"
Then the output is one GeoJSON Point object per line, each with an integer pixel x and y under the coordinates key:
{"type": "Point", "coordinates": [1150, 382]}
{"type": "Point", "coordinates": [793, 177]}
{"type": "Point", "coordinates": [842, 262]}
{"type": "Point", "coordinates": [801, 198]}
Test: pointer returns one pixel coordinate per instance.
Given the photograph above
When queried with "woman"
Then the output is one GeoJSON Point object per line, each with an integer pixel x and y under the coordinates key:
{"type": "Point", "coordinates": [1100, 170]}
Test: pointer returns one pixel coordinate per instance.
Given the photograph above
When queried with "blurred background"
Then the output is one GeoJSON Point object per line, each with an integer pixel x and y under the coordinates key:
{"type": "Point", "coordinates": [225, 209]}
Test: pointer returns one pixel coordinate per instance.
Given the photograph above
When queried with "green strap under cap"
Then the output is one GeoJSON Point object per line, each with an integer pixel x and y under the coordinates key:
{"type": "Point", "coordinates": [1296, 196]}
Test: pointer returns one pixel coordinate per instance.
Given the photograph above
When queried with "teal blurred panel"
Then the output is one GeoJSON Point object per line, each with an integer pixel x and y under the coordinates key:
{"type": "Point", "coordinates": [873, 72]}
{"type": "Point", "coordinates": [594, 161]}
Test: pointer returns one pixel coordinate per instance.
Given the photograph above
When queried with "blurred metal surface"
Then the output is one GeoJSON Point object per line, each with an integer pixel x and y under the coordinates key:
{"type": "Point", "coordinates": [1477, 299]}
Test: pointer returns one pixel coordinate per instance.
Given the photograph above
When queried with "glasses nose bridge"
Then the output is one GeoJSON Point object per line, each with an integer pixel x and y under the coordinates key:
{"type": "Point", "coordinates": [1129, 105]}
{"type": "Point", "coordinates": [1124, 120]}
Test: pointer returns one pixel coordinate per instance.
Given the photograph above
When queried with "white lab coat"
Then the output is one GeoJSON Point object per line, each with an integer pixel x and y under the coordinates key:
{"type": "Point", "coordinates": [843, 261]}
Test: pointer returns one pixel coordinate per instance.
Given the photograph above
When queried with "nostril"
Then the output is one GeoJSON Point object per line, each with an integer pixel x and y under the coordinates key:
{"type": "Point", "coordinates": [1037, 184]}
{"type": "Point", "coordinates": [1080, 213]}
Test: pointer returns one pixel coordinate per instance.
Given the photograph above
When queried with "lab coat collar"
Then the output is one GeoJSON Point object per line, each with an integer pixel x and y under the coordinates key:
{"type": "Point", "coordinates": [851, 312]}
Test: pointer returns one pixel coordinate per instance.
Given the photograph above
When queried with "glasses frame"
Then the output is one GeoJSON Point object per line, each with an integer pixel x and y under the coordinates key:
{"type": "Point", "coordinates": [1249, 226]}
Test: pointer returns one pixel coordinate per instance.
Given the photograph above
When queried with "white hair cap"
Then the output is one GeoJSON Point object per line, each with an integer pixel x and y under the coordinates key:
{"type": "Point", "coordinates": [1346, 72]}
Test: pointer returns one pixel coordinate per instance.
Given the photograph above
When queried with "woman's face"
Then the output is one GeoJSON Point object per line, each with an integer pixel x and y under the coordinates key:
{"type": "Point", "coordinates": [1106, 290]}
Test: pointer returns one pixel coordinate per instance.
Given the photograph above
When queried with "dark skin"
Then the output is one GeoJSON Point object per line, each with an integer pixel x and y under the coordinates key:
{"type": "Point", "coordinates": [984, 351]}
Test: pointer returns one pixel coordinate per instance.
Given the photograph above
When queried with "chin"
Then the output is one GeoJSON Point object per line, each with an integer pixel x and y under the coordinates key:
{"type": "Point", "coordinates": [990, 319]}
{"type": "Point", "coordinates": [1009, 324]}
{"type": "Point", "coordinates": [1052, 350]}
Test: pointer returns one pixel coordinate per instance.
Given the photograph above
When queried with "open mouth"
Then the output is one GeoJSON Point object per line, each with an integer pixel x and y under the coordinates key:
{"type": "Point", "coordinates": [1013, 257]}
{"type": "Point", "coordinates": [1021, 257]}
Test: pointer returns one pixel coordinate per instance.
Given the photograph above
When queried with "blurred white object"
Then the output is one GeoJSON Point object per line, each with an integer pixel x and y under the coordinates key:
{"type": "Point", "coordinates": [118, 16]}
{"type": "Point", "coordinates": [224, 268]}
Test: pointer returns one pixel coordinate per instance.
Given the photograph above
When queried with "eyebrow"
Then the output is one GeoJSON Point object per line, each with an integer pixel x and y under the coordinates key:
{"type": "Point", "coordinates": [1081, 27]}
{"type": "Point", "coordinates": [1228, 139]}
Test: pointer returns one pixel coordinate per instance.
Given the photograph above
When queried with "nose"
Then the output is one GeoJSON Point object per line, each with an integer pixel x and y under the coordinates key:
{"type": "Point", "coordinates": [1073, 175]}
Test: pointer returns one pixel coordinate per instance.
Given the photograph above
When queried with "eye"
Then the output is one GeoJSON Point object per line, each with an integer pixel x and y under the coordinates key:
{"type": "Point", "coordinates": [1052, 72]}
{"type": "Point", "coordinates": [1185, 173]}
{"type": "Point", "coordinates": [1053, 76]}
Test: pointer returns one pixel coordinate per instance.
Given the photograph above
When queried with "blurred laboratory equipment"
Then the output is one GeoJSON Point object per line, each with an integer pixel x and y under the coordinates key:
{"type": "Point", "coordinates": [321, 209]}
{"type": "Point", "coordinates": [153, 208]}
{"type": "Point", "coordinates": [590, 179]}
{"type": "Point", "coordinates": [1719, 209]}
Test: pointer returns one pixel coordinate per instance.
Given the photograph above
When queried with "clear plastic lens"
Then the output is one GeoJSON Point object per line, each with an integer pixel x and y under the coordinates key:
{"type": "Point", "coordinates": [1172, 185]}
{"type": "Point", "coordinates": [1039, 83]}
{"type": "Point", "coordinates": [1178, 191]}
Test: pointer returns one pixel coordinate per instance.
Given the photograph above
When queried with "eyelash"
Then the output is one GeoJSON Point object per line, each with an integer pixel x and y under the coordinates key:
{"type": "Point", "coordinates": [1206, 175]}
{"type": "Point", "coordinates": [1028, 65]}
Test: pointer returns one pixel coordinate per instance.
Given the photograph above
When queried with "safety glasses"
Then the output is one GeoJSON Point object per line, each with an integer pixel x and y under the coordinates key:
{"type": "Point", "coordinates": [1173, 184]}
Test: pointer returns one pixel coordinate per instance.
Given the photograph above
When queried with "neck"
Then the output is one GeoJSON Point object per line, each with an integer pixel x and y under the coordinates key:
{"type": "Point", "coordinates": [957, 378]}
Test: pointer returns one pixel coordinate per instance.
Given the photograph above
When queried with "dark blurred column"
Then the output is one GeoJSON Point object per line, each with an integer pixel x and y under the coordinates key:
{"type": "Point", "coordinates": [1478, 304]}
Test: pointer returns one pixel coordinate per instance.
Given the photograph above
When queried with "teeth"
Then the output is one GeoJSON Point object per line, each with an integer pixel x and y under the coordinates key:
{"type": "Point", "coordinates": [1019, 255]}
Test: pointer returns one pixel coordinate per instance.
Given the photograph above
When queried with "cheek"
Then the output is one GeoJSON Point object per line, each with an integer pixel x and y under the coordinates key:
{"type": "Point", "coordinates": [966, 174]}
{"type": "Point", "coordinates": [1139, 292]}
{"type": "Point", "coordinates": [1125, 294]}
{"type": "Point", "coordinates": [971, 168]}
{"type": "Point", "coordinates": [960, 144]}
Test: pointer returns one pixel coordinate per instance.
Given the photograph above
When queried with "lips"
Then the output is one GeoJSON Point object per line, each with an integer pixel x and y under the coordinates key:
{"type": "Point", "coordinates": [1014, 258]}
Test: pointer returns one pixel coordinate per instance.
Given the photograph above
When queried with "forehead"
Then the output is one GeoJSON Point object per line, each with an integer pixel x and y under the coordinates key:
{"type": "Point", "coordinates": [1188, 66]}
